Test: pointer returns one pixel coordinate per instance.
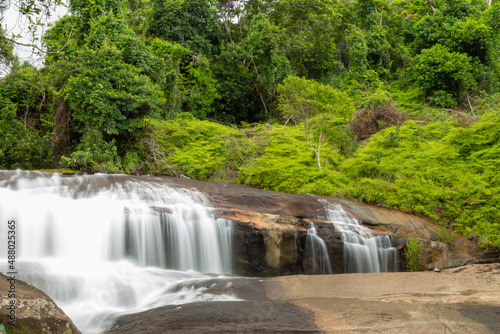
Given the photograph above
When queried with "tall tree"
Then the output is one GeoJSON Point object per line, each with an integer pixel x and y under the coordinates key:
{"type": "Point", "coordinates": [312, 29]}
{"type": "Point", "coordinates": [192, 23]}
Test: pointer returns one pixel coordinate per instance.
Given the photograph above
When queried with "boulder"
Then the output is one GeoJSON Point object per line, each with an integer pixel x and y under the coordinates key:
{"type": "Point", "coordinates": [35, 312]}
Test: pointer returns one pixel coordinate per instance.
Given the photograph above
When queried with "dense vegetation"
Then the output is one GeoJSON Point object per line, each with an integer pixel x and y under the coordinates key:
{"type": "Point", "coordinates": [392, 102]}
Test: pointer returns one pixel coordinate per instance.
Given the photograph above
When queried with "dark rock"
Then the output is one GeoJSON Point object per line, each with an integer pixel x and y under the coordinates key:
{"type": "Point", "coordinates": [220, 317]}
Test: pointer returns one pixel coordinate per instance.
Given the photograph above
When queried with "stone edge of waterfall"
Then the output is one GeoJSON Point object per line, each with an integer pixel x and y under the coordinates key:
{"type": "Point", "coordinates": [35, 310]}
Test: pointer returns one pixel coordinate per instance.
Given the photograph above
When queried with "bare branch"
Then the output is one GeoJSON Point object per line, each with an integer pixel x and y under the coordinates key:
{"type": "Point", "coordinates": [36, 46]}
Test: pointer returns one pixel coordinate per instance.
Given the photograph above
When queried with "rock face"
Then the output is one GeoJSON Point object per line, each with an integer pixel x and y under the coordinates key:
{"type": "Point", "coordinates": [35, 312]}
{"type": "Point", "coordinates": [424, 302]}
{"type": "Point", "coordinates": [271, 230]}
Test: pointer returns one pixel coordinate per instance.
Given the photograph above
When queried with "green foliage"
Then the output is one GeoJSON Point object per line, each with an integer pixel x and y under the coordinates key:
{"type": "Point", "coordinates": [312, 28]}
{"type": "Point", "coordinates": [111, 95]}
{"type": "Point", "coordinates": [94, 154]}
{"type": "Point", "coordinates": [86, 12]}
{"type": "Point", "coordinates": [7, 57]}
{"type": "Point", "coordinates": [236, 89]}
{"type": "Point", "coordinates": [249, 71]}
{"type": "Point", "coordinates": [268, 66]}
{"type": "Point", "coordinates": [358, 51]}
{"type": "Point", "coordinates": [437, 170]}
{"type": "Point", "coordinates": [109, 29]}
{"type": "Point", "coordinates": [286, 164]}
{"type": "Point", "coordinates": [189, 83]}
{"type": "Point", "coordinates": [378, 55]}
{"type": "Point", "coordinates": [460, 30]}
{"type": "Point", "coordinates": [25, 86]}
{"type": "Point", "coordinates": [462, 27]}
{"type": "Point", "coordinates": [412, 255]}
{"type": "Point", "coordinates": [443, 235]}
{"type": "Point", "coordinates": [138, 13]}
{"type": "Point", "coordinates": [321, 108]}
{"type": "Point", "coordinates": [304, 98]}
{"type": "Point", "coordinates": [200, 90]}
{"type": "Point", "coordinates": [20, 147]}
{"type": "Point", "coordinates": [196, 148]}
{"type": "Point", "coordinates": [444, 75]}
{"type": "Point", "coordinates": [191, 23]}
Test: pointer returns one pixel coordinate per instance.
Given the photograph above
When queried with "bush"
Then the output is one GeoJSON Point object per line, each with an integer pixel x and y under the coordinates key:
{"type": "Point", "coordinates": [412, 255]}
{"type": "Point", "coordinates": [94, 154]}
{"type": "Point", "coordinates": [439, 71]}
{"type": "Point", "coordinates": [377, 112]}
{"type": "Point", "coordinates": [443, 235]}
{"type": "Point", "coordinates": [197, 148]}
{"type": "Point", "coordinates": [20, 146]}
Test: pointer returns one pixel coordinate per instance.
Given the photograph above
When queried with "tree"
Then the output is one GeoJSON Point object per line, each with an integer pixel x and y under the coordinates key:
{"type": "Point", "coordinates": [7, 57]}
{"type": "Point", "coordinates": [251, 68]}
{"type": "Point", "coordinates": [321, 108]}
{"type": "Point", "coordinates": [191, 23]}
{"type": "Point", "coordinates": [20, 146]}
{"type": "Point", "coordinates": [312, 30]}
{"type": "Point", "coordinates": [459, 29]}
{"type": "Point", "coordinates": [443, 74]}
{"type": "Point", "coordinates": [111, 95]}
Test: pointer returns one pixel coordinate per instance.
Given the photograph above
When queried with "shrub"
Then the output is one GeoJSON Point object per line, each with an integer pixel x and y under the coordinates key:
{"type": "Point", "coordinates": [94, 154]}
{"type": "Point", "coordinates": [439, 71]}
{"type": "Point", "coordinates": [412, 255]}
{"type": "Point", "coordinates": [20, 146]}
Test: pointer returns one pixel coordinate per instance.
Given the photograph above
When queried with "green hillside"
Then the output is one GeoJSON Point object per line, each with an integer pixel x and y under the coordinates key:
{"type": "Point", "coordinates": [392, 102]}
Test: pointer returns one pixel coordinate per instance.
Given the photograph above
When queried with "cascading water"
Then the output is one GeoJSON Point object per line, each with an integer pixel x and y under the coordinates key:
{"type": "Point", "coordinates": [103, 245]}
{"type": "Point", "coordinates": [363, 252]}
{"type": "Point", "coordinates": [318, 252]}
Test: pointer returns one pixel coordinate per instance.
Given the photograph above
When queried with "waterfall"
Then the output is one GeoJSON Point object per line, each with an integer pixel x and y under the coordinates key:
{"type": "Point", "coordinates": [104, 245]}
{"type": "Point", "coordinates": [363, 252]}
{"type": "Point", "coordinates": [318, 254]}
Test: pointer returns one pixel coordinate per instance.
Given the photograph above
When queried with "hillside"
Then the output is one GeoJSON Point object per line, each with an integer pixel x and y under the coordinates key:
{"type": "Point", "coordinates": [394, 103]}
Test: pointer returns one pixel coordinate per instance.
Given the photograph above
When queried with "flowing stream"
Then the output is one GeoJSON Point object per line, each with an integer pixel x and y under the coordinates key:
{"type": "Point", "coordinates": [363, 252]}
{"type": "Point", "coordinates": [103, 245]}
{"type": "Point", "coordinates": [318, 252]}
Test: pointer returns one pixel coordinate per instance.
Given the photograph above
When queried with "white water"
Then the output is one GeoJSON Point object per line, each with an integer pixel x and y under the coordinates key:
{"type": "Point", "coordinates": [317, 252]}
{"type": "Point", "coordinates": [363, 252]}
{"type": "Point", "coordinates": [102, 245]}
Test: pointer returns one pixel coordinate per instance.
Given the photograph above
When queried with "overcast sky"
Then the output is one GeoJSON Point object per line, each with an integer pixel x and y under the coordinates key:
{"type": "Point", "coordinates": [13, 23]}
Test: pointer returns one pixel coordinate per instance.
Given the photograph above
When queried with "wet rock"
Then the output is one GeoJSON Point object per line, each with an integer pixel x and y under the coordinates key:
{"type": "Point", "coordinates": [35, 311]}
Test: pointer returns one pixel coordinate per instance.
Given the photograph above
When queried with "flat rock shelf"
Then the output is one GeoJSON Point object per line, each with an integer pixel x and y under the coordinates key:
{"type": "Point", "coordinates": [424, 302]}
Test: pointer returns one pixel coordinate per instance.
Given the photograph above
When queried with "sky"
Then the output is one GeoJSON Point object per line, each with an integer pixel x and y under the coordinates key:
{"type": "Point", "coordinates": [13, 23]}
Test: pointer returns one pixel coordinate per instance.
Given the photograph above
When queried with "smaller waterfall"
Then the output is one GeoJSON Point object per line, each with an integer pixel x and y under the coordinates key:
{"type": "Point", "coordinates": [363, 252]}
{"type": "Point", "coordinates": [318, 252]}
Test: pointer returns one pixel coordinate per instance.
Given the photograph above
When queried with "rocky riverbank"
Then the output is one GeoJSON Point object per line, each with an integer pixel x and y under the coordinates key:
{"type": "Point", "coordinates": [460, 300]}
{"type": "Point", "coordinates": [424, 302]}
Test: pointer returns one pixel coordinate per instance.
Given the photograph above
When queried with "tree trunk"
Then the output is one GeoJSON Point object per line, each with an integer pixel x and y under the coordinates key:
{"type": "Point", "coordinates": [62, 133]}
